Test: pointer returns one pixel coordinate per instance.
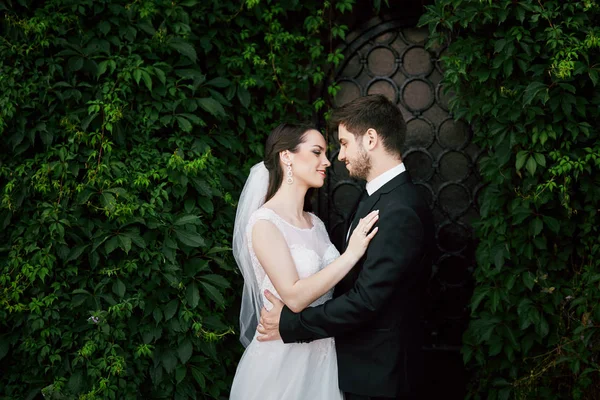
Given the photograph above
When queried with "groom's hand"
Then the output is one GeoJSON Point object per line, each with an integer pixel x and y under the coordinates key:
{"type": "Point", "coordinates": [268, 327]}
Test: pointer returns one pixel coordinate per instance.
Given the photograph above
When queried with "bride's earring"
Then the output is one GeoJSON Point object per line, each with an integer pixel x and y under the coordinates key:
{"type": "Point", "coordinates": [290, 175]}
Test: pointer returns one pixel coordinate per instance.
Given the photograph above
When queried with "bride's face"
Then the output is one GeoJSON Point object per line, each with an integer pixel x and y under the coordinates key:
{"type": "Point", "coordinates": [310, 161]}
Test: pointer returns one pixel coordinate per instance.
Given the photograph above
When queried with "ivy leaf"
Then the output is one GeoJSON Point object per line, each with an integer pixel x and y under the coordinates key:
{"type": "Point", "coordinates": [552, 223]}
{"type": "Point", "coordinates": [194, 74]}
{"type": "Point", "coordinates": [467, 352]}
{"type": "Point", "coordinates": [194, 266]}
{"type": "Point", "coordinates": [531, 165]}
{"type": "Point", "coordinates": [104, 27]}
{"type": "Point", "coordinates": [76, 381]}
{"type": "Point", "coordinates": [137, 75]}
{"type": "Point", "coordinates": [478, 295]}
{"type": "Point", "coordinates": [542, 327]}
{"type": "Point", "coordinates": [184, 124]}
{"type": "Point", "coordinates": [168, 360]}
{"type": "Point", "coordinates": [185, 350]}
{"type": "Point", "coordinates": [197, 374]}
{"type": "Point", "coordinates": [111, 244]}
{"type": "Point", "coordinates": [118, 288]}
{"type": "Point", "coordinates": [219, 82]}
{"type": "Point", "coordinates": [134, 235]}
{"type": "Point", "coordinates": [160, 74]}
{"type": "Point", "coordinates": [520, 13]}
{"type": "Point", "coordinates": [125, 243]}
{"type": "Point", "coordinates": [521, 157]}
{"type": "Point", "coordinates": [568, 87]}
{"type": "Point", "coordinates": [108, 201]}
{"type": "Point", "coordinates": [212, 106]}
{"type": "Point", "coordinates": [536, 227]}
{"type": "Point", "coordinates": [76, 252]}
{"type": "Point", "coordinates": [147, 80]}
{"type": "Point", "coordinates": [494, 300]}
{"type": "Point", "coordinates": [214, 294]}
{"type": "Point", "coordinates": [524, 306]}
{"type": "Point", "coordinates": [180, 372]}
{"type": "Point", "coordinates": [192, 295]}
{"type": "Point", "coordinates": [218, 249]}
{"type": "Point", "coordinates": [184, 48]}
{"type": "Point", "coordinates": [187, 219]}
{"type": "Point", "coordinates": [206, 204]}
{"type": "Point", "coordinates": [157, 314]}
{"type": "Point", "coordinates": [532, 91]}
{"type": "Point", "coordinates": [101, 68]}
{"type": "Point", "coordinates": [528, 280]}
{"type": "Point", "coordinates": [147, 27]}
{"type": "Point", "coordinates": [216, 280]}
{"type": "Point", "coordinates": [170, 309]}
{"type": "Point", "coordinates": [508, 68]}
{"type": "Point", "coordinates": [189, 238]}
{"type": "Point", "coordinates": [499, 257]}
{"type": "Point", "coordinates": [499, 45]}
{"type": "Point", "coordinates": [194, 119]}
{"type": "Point", "coordinates": [593, 76]}
{"type": "Point", "coordinates": [496, 347]}
{"type": "Point", "coordinates": [243, 96]}
{"type": "Point", "coordinates": [540, 159]}
{"type": "Point", "coordinates": [75, 63]}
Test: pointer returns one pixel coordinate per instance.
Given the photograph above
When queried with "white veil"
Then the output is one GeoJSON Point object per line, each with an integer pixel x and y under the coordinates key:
{"type": "Point", "coordinates": [251, 199]}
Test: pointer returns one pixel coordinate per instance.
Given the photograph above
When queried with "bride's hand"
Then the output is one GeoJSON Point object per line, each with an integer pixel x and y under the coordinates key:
{"type": "Point", "coordinates": [362, 235]}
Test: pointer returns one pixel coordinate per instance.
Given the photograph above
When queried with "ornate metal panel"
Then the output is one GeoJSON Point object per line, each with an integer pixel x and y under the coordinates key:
{"type": "Point", "coordinates": [391, 59]}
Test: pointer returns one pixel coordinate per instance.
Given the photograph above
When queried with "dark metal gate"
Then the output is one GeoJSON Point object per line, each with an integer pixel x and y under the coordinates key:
{"type": "Point", "coordinates": [390, 58]}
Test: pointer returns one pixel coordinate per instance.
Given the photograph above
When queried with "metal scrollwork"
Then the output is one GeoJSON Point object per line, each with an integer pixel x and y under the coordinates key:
{"type": "Point", "coordinates": [392, 60]}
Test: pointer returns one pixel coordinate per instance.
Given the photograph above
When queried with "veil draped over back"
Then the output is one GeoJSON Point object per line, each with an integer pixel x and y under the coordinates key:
{"type": "Point", "coordinates": [252, 198]}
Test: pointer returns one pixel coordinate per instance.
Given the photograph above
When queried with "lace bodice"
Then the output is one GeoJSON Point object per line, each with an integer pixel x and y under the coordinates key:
{"type": "Point", "coordinates": [311, 250]}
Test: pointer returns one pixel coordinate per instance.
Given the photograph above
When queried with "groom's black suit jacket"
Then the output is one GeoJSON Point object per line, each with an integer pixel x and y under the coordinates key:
{"type": "Point", "coordinates": [375, 312]}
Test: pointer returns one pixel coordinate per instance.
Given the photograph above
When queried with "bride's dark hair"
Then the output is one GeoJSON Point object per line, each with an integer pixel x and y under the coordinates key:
{"type": "Point", "coordinates": [284, 137]}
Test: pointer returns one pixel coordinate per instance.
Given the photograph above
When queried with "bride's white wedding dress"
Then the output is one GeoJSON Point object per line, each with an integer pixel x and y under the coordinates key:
{"type": "Point", "coordinates": [300, 371]}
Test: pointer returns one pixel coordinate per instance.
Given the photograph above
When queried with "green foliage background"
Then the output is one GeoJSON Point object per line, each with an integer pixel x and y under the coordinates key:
{"type": "Point", "coordinates": [127, 132]}
{"type": "Point", "coordinates": [525, 74]}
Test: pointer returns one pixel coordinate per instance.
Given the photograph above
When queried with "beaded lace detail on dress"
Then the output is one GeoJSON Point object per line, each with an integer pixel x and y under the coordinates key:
{"type": "Point", "coordinates": [311, 250]}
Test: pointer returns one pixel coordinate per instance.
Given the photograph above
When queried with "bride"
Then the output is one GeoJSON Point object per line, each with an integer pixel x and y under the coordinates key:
{"type": "Point", "coordinates": [281, 248]}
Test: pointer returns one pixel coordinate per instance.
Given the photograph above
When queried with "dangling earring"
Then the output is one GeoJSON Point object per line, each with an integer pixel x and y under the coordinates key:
{"type": "Point", "coordinates": [290, 175]}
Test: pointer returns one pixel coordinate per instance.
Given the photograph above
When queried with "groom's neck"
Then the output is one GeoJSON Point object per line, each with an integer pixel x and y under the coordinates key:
{"type": "Point", "coordinates": [381, 166]}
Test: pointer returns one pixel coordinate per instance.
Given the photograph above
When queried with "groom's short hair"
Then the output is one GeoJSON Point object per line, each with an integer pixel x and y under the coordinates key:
{"type": "Point", "coordinates": [374, 111]}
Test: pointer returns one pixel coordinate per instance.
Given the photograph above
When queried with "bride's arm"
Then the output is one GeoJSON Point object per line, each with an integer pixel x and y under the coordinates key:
{"type": "Point", "coordinates": [274, 255]}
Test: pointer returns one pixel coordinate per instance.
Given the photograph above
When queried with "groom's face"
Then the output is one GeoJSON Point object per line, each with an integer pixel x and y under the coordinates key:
{"type": "Point", "coordinates": [353, 154]}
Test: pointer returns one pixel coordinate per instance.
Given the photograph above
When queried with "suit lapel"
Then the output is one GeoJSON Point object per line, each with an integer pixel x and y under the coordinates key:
{"type": "Point", "coordinates": [363, 209]}
{"type": "Point", "coordinates": [367, 206]}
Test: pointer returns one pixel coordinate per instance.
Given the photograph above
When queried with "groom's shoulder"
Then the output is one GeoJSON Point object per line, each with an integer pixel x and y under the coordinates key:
{"type": "Point", "coordinates": [407, 189]}
{"type": "Point", "coordinates": [408, 195]}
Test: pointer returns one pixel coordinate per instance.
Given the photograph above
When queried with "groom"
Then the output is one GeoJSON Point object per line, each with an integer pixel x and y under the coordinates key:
{"type": "Point", "coordinates": [374, 315]}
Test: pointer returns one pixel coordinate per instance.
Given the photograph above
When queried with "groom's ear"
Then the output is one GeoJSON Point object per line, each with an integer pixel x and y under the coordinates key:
{"type": "Point", "coordinates": [370, 139]}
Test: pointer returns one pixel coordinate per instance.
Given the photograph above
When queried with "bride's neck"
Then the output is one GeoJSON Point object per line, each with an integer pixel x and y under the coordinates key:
{"type": "Point", "coordinates": [289, 201]}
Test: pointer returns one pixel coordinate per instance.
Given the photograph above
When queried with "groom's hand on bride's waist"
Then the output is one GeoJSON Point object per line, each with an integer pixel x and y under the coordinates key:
{"type": "Point", "coordinates": [268, 326]}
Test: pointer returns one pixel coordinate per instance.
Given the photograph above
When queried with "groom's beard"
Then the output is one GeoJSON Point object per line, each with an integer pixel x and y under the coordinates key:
{"type": "Point", "coordinates": [361, 166]}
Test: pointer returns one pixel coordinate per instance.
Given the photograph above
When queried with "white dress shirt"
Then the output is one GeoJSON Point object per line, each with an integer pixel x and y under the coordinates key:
{"type": "Point", "coordinates": [384, 178]}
